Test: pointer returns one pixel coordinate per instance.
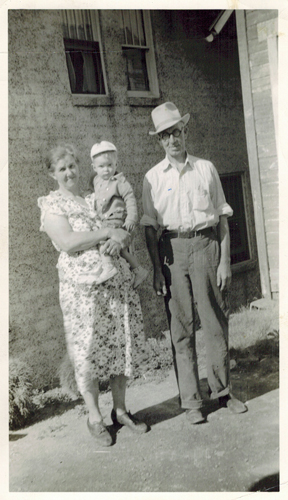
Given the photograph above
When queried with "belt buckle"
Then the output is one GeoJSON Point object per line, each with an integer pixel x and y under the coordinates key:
{"type": "Point", "coordinates": [187, 234]}
{"type": "Point", "coordinates": [182, 234]}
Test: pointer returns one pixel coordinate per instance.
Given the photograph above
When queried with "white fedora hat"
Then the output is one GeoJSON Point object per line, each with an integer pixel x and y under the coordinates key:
{"type": "Point", "coordinates": [165, 116]}
{"type": "Point", "coordinates": [102, 147]}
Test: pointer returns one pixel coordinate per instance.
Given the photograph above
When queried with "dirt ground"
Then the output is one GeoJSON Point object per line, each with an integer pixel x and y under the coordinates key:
{"type": "Point", "coordinates": [228, 453]}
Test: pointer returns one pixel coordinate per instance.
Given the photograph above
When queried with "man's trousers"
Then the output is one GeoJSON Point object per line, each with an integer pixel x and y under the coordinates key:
{"type": "Point", "coordinates": [189, 266]}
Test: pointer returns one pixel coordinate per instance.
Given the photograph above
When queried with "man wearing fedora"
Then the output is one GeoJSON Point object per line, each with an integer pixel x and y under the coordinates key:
{"type": "Point", "coordinates": [183, 197]}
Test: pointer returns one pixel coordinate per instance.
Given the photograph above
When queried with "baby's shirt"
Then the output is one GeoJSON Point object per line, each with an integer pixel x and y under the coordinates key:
{"type": "Point", "coordinates": [114, 198]}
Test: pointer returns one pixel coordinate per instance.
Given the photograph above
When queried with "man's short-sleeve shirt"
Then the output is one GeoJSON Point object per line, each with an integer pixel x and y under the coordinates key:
{"type": "Point", "coordinates": [190, 199]}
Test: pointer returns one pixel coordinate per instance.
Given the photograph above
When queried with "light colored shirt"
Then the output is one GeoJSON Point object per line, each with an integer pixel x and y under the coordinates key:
{"type": "Point", "coordinates": [190, 199]}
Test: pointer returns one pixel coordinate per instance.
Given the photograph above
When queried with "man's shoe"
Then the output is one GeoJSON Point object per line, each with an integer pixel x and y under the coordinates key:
{"type": "Point", "coordinates": [195, 416]}
{"type": "Point", "coordinates": [100, 433]}
{"type": "Point", "coordinates": [129, 421]}
{"type": "Point", "coordinates": [233, 404]}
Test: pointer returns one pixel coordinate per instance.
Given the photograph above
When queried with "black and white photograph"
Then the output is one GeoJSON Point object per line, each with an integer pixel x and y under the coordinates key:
{"type": "Point", "coordinates": [143, 207]}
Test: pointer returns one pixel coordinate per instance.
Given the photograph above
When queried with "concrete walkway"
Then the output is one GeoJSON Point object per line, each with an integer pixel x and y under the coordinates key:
{"type": "Point", "coordinates": [233, 453]}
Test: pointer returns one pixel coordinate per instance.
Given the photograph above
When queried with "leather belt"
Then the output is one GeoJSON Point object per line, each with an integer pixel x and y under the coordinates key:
{"type": "Point", "coordinates": [187, 234]}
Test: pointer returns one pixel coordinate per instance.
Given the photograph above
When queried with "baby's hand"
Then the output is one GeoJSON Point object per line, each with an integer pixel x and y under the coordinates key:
{"type": "Point", "coordinates": [130, 226]}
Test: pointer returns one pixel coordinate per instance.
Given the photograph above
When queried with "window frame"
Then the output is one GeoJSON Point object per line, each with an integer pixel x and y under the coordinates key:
{"type": "Point", "coordinates": [96, 34]}
{"type": "Point", "coordinates": [251, 260]}
{"type": "Point", "coordinates": [150, 59]}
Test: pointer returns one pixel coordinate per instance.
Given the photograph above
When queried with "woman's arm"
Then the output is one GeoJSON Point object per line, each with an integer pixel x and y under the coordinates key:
{"type": "Point", "coordinates": [59, 230]}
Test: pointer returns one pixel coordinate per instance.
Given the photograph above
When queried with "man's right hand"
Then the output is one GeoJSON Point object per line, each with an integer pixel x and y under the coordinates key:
{"type": "Point", "coordinates": [159, 284]}
{"type": "Point", "coordinates": [152, 245]}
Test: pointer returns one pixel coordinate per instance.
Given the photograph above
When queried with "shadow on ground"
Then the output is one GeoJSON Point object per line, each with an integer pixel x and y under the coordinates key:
{"type": "Point", "coordinates": [170, 408]}
{"type": "Point", "coordinates": [268, 483]}
{"type": "Point", "coordinates": [15, 437]}
{"type": "Point", "coordinates": [257, 369]}
{"type": "Point", "coordinates": [51, 409]}
{"type": "Point", "coordinates": [159, 413]}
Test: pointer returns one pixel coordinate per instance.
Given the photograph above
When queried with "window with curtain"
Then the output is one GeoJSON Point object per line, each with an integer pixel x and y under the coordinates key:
{"type": "Point", "coordinates": [233, 189]}
{"type": "Point", "coordinates": [83, 51]}
{"type": "Point", "coordinates": [138, 50]}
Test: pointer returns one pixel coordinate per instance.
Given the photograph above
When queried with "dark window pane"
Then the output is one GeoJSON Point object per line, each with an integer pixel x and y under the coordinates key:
{"type": "Point", "coordinates": [84, 67]}
{"type": "Point", "coordinates": [75, 68]}
{"type": "Point", "coordinates": [232, 186]}
{"type": "Point", "coordinates": [136, 69]}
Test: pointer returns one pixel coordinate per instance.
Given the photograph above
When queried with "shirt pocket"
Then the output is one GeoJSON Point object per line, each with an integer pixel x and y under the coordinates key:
{"type": "Point", "coordinates": [201, 201]}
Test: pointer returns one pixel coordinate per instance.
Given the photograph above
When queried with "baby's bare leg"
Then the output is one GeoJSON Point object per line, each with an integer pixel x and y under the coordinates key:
{"type": "Point", "coordinates": [130, 258]}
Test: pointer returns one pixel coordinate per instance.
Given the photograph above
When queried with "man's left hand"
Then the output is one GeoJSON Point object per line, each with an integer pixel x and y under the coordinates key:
{"type": "Point", "coordinates": [224, 275]}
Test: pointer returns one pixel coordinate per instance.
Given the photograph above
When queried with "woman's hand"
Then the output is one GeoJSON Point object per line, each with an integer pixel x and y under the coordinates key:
{"type": "Point", "coordinates": [120, 236]}
{"type": "Point", "coordinates": [111, 247]}
{"type": "Point", "coordinates": [59, 230]}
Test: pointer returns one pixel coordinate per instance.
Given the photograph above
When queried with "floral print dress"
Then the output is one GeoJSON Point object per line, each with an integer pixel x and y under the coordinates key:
{"type": "Point", "coordinates": [103, 323]}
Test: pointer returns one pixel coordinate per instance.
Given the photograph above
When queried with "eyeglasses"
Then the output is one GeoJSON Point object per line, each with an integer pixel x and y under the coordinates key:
{"type": "Point", "coordinates": [165, 136]}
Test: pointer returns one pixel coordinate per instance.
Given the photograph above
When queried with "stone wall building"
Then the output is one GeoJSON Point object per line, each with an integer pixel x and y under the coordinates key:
{"type": "Point", "coordinates": [85, 76]}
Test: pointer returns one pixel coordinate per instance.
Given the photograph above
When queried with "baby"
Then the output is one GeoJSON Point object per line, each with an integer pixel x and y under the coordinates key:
{"type": "Point", "coordinates": [115, 204]}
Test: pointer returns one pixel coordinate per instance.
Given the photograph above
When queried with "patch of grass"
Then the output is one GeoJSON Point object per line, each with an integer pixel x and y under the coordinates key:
{"type": "Point", "coordinates": [20, 394]}
{"type": "Point", "coordinates": [247, 327]}
{"type": "Point", "coordinates": [158, 355]}
{"type": "Point", "coordinates": [41, 399]}
{"type": "Point", "coordinates": [251, 333]}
